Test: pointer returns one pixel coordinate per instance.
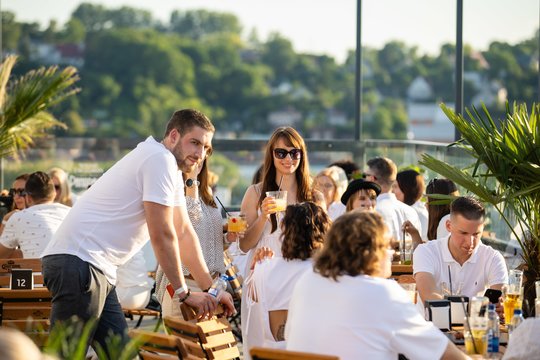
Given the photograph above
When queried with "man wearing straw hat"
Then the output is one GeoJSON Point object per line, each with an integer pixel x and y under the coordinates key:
{"type": "Point", "coordinates": [140, 197]}
{"type": "Point", "coordinates": [459, 264]}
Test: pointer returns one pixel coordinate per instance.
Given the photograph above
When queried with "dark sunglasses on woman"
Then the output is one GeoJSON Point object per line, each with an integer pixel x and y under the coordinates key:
{"type": "Point", "coordinates": [296, 154]}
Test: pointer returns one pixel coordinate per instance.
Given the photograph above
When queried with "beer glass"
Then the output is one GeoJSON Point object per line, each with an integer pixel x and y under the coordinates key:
{"type": "Point", "coordinates": [511, 294]}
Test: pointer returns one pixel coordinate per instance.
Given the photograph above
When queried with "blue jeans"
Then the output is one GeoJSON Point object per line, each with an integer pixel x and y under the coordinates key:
{"type": "Point", "coordinates": [80, 289]}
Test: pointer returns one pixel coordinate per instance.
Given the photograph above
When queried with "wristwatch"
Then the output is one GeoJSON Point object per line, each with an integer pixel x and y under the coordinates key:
{"type": "Point", "coordinates": [192, 182]}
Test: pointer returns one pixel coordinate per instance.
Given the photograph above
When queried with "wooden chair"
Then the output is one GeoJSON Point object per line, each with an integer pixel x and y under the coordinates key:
{"type": "Point", "coordinates": [209, 339]}
{"type": "Point", "coordinates": [156, 346]}
{"type": "Point", "coordinates": [259, 353]}
{"type": "Point", "coordinates": [141, 313]}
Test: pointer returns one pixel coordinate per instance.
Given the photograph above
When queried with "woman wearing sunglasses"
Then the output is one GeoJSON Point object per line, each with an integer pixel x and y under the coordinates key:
{"type": "Point", "coordinates": [19, 198]}
{"type": "Point", "coordinates": [286, 167]}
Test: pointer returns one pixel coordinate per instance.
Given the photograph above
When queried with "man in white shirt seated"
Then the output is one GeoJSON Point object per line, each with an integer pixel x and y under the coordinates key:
{"type": "Point", "coordinates": [472, 266]}
{"type": "Point", "coordinates": [31, 229]}
{"type": "Point", "coordinates": [383, 172]}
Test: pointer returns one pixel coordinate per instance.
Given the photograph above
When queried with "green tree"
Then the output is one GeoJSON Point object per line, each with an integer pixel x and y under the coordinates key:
{"type": "Point", "coordinates": [197, 24]}
{"type": "Point", "coordinates": [11, 31]}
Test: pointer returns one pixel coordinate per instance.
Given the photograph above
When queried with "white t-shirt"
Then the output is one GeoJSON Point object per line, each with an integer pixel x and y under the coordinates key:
{"type": "Point", "coordinates": [273, 282]}
{"type": "Point", "coordinates": [423, 215]}
{"type": "Point", "coordinates": [107, 224]}
{"type": "Point", "coordinates": [359, 317]}
{"type": "Point", "coordinates": [336, 209]}
{"type": "Point", "coordinates": [33, 228]}
{"type": "Point", "coordinates": [442, 231]}
{"type": "Point", "coordinates": [485, 267]}
{"type": "Point", "coordinates": [394, 213]}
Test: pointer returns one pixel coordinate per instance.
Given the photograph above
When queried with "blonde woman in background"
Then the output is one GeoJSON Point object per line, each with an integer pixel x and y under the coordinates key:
{"type": "Point", "coordinates": [19, 200]}
{"type": "Point", "coordinates": [61, 185]}
{"type": "Point", "coordinates": [332, 182]}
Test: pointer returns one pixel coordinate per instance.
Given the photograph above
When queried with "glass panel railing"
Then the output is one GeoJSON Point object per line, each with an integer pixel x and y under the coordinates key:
{"type": "Point", "coordinates": [235, 162]}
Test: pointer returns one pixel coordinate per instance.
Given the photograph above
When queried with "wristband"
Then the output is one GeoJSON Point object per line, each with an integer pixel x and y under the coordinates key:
{"type": "Point", "coordinates": [183, 299]}
{"type": "Point", "coordinates": [180, 290]}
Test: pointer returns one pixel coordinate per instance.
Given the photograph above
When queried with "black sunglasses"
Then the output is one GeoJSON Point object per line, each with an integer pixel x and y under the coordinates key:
{"type": "Point", "coordinates": [19, 192]}
{"type": "Point", "coordinates": [296, 154]}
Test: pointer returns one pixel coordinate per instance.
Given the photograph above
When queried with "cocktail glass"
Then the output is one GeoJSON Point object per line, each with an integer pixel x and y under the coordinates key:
{"type": "Point", "coordinates": [236, 223]}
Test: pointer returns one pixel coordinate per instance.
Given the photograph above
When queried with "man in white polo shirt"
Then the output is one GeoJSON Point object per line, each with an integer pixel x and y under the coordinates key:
{"type": "Point", "coordinates": [473, 266]}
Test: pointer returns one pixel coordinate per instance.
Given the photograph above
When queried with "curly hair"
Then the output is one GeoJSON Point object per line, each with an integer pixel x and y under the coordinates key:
{"type": "Point", "coordinates": [304, 227]}
{"type": "Point", "coordinates": [355, 244]}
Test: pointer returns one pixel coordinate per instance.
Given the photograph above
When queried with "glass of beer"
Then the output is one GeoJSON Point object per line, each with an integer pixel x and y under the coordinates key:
{"type": "Point", "coordinates": [511, 294]}
{"type": "Point", "coordinates": [281, 199]}
{"type": "Point", "coordinates": [236, 223]}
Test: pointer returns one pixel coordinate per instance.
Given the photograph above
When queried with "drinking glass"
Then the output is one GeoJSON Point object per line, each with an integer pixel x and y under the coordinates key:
{"type": "Point", "coordinates": [281, 199]}
{"type": "Point", "coordinates": [511, 294]}
{"type": "Point", "coordinates": [475, 339]}
{"type": "Point", "coordinates": [537, 286]}
{"type": "Point", "coordinates": [236, 223]}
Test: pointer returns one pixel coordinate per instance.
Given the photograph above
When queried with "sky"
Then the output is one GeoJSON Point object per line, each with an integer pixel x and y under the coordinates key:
{"type": "Point", "coordinates": [329, 26]}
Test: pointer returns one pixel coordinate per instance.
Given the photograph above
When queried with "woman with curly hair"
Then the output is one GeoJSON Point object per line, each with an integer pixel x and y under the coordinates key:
{"type": "Point", "coordinates": [303, 229]}
{"type": "Point", "coordinates": [347, 308]}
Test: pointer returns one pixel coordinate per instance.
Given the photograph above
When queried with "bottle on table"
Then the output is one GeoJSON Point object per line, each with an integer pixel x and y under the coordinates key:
{"type": "Point", "coordinates": [517, 319]}
{"type": "Point", "coordinates": [218, 287]}
{"type": "Point", "coordinates": [493, 333]}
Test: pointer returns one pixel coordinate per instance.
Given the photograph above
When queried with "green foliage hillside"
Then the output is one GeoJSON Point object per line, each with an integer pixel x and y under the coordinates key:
{"type": "Point", "coordinates": [136, 71]}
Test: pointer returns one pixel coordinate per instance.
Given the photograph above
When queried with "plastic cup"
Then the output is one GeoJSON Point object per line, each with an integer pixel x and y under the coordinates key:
{"type": "Point", "coordinates": [281, 199]}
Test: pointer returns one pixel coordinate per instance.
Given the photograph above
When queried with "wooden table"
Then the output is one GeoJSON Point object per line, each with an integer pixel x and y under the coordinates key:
{"type": "Point", "coordinates": [398, 269]}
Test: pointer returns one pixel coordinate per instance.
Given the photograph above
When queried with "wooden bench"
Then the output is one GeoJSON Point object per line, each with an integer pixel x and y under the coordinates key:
{"type": "Point", "coordinates": [6, 265]}
{"type": "Point", "coordinates": [259, 353]}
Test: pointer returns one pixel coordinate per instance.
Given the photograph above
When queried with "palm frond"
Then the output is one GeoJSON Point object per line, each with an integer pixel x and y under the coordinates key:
{"type": "Point", "coordinates": [24, 103]}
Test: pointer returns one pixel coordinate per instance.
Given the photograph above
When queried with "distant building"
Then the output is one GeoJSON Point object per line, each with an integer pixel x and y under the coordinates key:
{"type": "Point", "coordinates": [58, 54]}
{"type": "Point", "coordinates": [287, 117]}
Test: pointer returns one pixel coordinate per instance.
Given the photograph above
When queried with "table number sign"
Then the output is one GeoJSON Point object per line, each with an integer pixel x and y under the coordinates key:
{"type": "Point", "coordinates": [22, 279]}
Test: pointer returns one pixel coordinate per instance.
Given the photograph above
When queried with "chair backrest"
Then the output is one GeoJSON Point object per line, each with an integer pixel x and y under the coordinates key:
{"type": "Point", "coordinates": [6, 265]}
{"type": "Point", "coordinates": [158, 346]}
{"type": "Point", "coordinates": [259, 353]}
{"type": "Point", "coordinates": [208, 339]}
{"type": "Point", "coordinates": [235, 279]}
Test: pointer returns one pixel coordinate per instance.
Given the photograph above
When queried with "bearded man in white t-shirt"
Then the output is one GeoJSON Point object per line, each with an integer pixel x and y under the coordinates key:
{"type": "Point", "coordinates": [140, 197]}
{"type": "Point", "coordinates": [460, 256]}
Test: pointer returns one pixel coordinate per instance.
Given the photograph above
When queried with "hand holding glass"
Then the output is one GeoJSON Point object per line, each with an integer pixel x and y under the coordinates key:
{"type": "Point", "coordinates": [236, 223]}
{"type": "Point", "coordinates": [280, 198]}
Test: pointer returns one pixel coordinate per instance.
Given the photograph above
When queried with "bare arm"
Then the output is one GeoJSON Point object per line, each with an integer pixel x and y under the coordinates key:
{"type": "Point", "coordinates": [453, 353]}
{"type": "Point", "coordinates": [159, 219]}
{"type": "Point", "coordinates": [255, 221]}
{"type": "Point", "coordinates": [426, 286]}
{"type": "Point", "coordinates": [9, 253]}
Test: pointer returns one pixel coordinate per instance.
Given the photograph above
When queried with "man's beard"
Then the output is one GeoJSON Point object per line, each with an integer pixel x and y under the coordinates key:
{"type": "Point", "coordinates": [181, 160]}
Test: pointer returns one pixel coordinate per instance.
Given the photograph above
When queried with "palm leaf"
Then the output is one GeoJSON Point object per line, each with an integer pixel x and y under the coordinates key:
{"type": "Point", "coordinates": [24, 103]}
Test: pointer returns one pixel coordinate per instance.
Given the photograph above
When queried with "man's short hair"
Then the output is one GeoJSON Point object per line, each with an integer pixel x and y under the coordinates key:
{"type": "Point", "coordinates": [385, 169]}
{"type": "Point", "coordinates": [184, 120]}
{"type": "Point", "coordinates": [468, 207]}
{"type": "Point", "coordinates": [40, 186]}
